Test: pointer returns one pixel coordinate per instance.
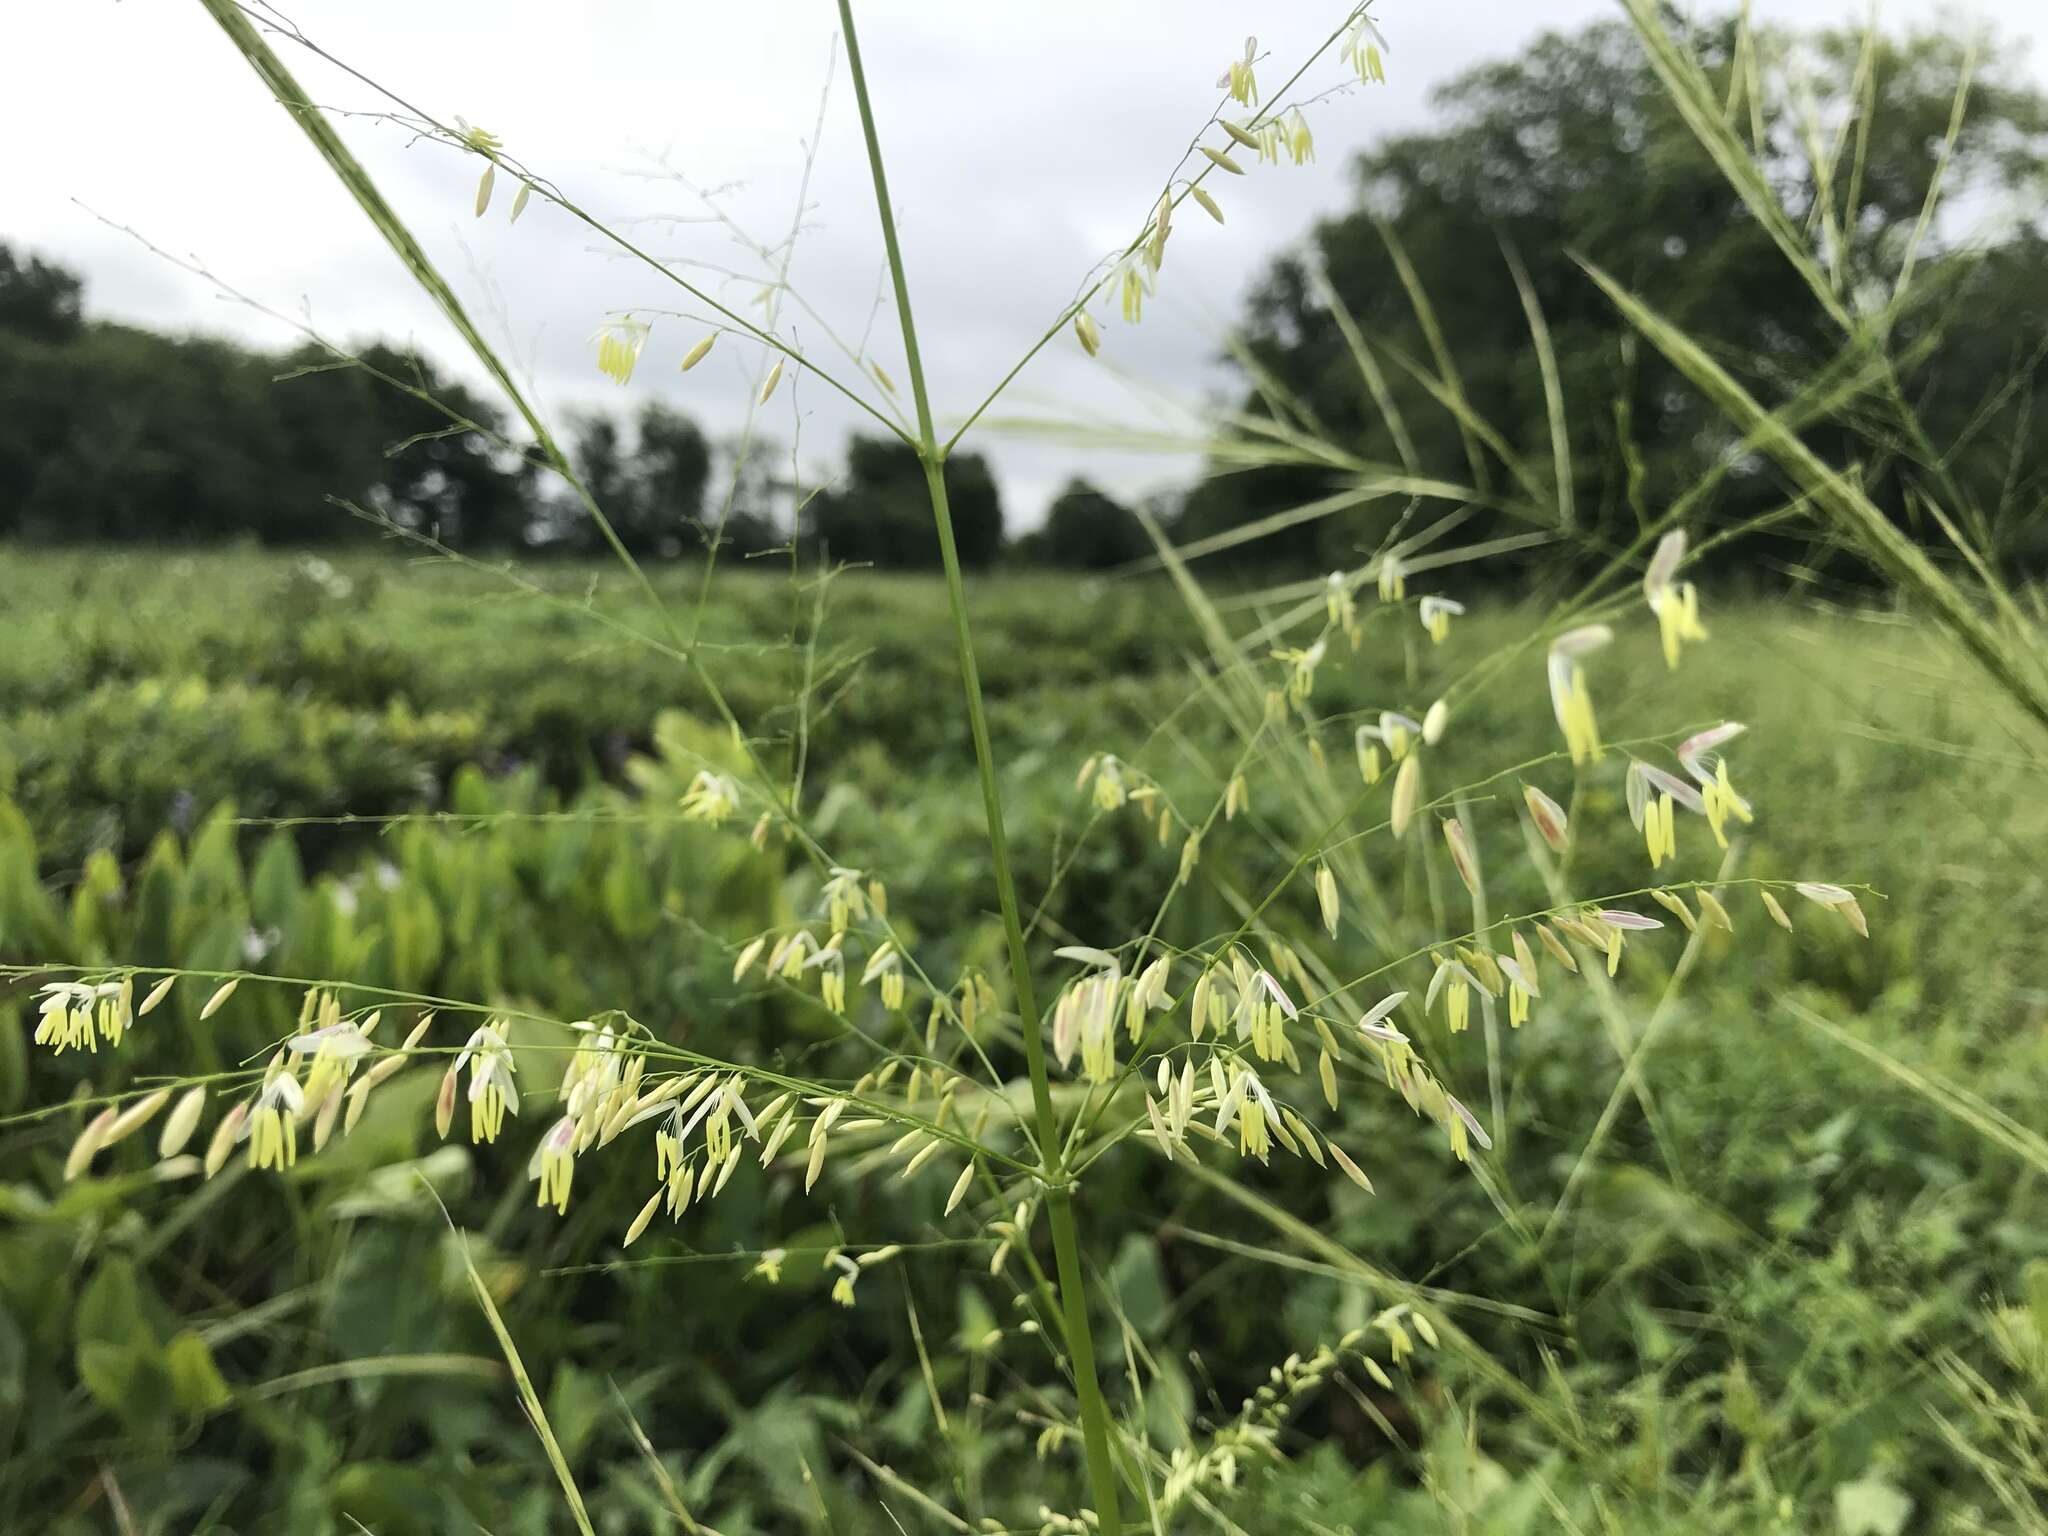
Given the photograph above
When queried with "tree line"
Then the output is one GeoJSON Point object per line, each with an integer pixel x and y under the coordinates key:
{"type": "Point", "coordinates": [1571, 151]}
{"type": "Point", "coordinates": [113, 433]}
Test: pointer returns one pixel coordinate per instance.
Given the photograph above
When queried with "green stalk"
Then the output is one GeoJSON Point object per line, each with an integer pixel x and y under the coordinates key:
{"type": "Point", "coordinates": [1059, 1209]}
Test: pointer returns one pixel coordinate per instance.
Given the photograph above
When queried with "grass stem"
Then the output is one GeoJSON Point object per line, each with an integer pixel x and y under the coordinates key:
{"type": "Point", "coordinates": [1059, 1207]}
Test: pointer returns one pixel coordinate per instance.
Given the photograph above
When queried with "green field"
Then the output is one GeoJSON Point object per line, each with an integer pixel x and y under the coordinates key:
{"type": "Point", "coordinates": [1762, 1242]}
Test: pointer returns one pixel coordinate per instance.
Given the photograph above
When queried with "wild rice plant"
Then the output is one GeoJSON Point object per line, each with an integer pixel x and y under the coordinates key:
{"type": "Point", "coordinates": [1388, 887]}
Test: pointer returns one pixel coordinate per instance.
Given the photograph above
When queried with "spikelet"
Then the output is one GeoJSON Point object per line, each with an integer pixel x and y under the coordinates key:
{"type": "Point", "coordinates": [1570, 699]}
{"type": "Point", "coordinates": [182, 1122]}
{"type": "Point", "coordinates": [1463, 858]}
{"type": "Point", "coordinates": [1436, 614]}
{"type": "Point", "coordinates": [639, 1223]}
{"type": "Point", "coordinates": [1777, 912]}
{"type": "Point", "coordinates": [1712, 913]}
{"type": "Point", "coordinates": [1837, 899]}
{"type": "Point", "coordinates": [1350, 1169]}
{"type": "Point", "coordinates": [1236, 797]}
{"type": "Point", "coordinates": [134, 1117]}
{"type": "Point", "coordinates": [1239, 78]}
{"type": "Point", "coordinates": [89, 1142]}
{"type": "Point", "coordinates": [225, 1135]}
{"type": "Point", "coordinates": [1434, 719]}
{"type": "Point", "coordinates": [1675, 905]}
{"type": "Point", "coordinates": [1407, 795]}
{"type": "Point", "coordinates": [1548, 817]}
{"type": "Point", "coordinates": [1393, 578]}
{"type": "Point", "coordinates": [1556, 947]}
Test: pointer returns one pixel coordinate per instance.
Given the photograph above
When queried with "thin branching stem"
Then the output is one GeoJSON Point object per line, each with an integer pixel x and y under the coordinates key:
{"type": "Point", "coordinates": [1059, 1203]}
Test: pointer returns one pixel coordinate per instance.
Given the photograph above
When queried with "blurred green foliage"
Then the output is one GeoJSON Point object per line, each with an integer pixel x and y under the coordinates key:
{"type": "Point", "coordinates": [1782, 1286]}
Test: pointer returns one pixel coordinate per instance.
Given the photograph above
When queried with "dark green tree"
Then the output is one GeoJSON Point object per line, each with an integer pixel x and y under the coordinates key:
{"type": "Point", "coordinates": [110, 432]}
{"type": "Point", "coordinates": [1086, 530]}
{"type": "Point", "coordinates": [466, 486]}
{"type": "Point", "coordinates": [37, 299]}
{"type": "Point", "coordinates": [880, 516]}
{"type": "Point", "coordinates": [651, 488]}
{"type": "Point", "coordinates": [673, 463]}
{"type": "Point", "coordinates": [1574, 148]}
{"type": "Point", "coordinates": [751, 492]}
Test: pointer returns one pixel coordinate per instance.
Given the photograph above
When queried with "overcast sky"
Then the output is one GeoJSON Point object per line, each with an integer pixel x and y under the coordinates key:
{"type": "Point", "coordinates": [1026, 139]}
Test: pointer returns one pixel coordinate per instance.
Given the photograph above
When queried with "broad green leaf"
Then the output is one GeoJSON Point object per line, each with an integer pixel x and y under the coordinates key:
{"type": "Point", "coordinates": [195, 1380]}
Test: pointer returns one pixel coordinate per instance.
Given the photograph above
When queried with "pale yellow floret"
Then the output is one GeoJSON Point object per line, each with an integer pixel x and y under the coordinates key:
{"type": "Point", "coordinates": [1301, 144]}
{"type": "Point", "coordinates": [1581, 729]}
{"type": "Point", "coordinates": [1678, 619]}
{"type": "Point", "coordinates": [1239, 79]}
{"type": "Point", "coordinates": [558, 1166]}
{"type": "Point", "coordinates": [619, 343]}
{"type": "Point", "coordinates": [1393, 579]}
{"type": "Point", "coordinates": [1718, 798]}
